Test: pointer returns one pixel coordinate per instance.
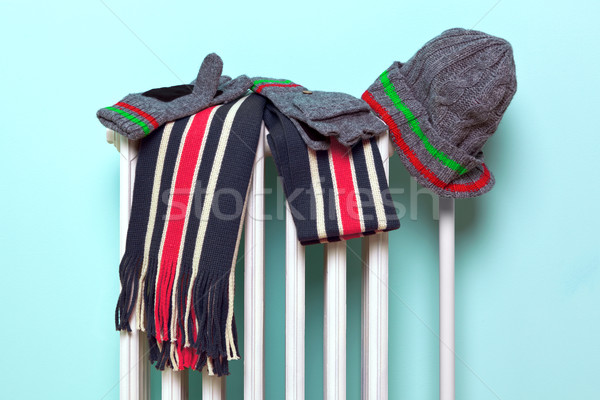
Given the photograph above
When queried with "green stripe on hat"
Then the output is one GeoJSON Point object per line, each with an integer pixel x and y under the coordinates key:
{"type": "Point", "coordinates": [131, 118]}
{"type": "Point", "coordinates": [390, 90]}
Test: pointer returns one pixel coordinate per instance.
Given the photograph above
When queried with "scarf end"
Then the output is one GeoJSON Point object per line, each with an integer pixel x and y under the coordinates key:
{"type": "Point", "coordinates": [187, 314]}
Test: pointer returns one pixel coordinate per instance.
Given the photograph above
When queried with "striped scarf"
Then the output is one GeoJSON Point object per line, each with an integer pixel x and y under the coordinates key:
{"type": "Point", "coordinates": [334, 194]}
{"type": "Point", "coordinates": [177, 273]}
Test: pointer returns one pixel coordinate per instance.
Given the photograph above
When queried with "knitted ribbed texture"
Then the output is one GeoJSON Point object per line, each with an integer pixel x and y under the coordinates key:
{"type": "Point", "coordinates": [138, 114]}
{"type": "Point", "coordinates": [442, 106]}
{"type": "Point", "coordinates": [318, 115]}
{"type": "Point", "coordinates": [178, 270]}
{"type": "Point", "coordinates": [333, 194]}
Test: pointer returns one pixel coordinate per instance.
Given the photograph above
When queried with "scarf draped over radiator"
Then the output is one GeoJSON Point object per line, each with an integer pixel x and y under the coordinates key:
{"type": "Point", "coordinates": [335, 194]}
{"type": "Point", "coordinates": [189, 199]}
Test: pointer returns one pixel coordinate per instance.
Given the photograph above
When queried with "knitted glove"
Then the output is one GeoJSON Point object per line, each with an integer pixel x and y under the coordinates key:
{"type": "Point", "coordinates": [231, 89]}
{"type": "Point", "coordinates": [318, 115]}
{"type": "Point", "coordinates": [139, 114]}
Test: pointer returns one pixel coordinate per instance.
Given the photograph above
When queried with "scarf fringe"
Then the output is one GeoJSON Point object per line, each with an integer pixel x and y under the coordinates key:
{"type": "Point", "coordinates": [182, 333]}
{"type": "Point", "coordinates": [129, 271]}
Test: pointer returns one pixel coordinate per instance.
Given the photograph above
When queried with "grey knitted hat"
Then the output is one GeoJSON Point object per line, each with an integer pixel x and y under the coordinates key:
{"type": "Point", "coordinates": [443, 104]}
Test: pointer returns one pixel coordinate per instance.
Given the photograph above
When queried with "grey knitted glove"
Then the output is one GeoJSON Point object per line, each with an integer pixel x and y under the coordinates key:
{"type": "Point", "coordinates": [231, 89]}
{"type": "Point", "coordinates": [318, 115]}
{"type": "Point", "coordinates": [139, 114]}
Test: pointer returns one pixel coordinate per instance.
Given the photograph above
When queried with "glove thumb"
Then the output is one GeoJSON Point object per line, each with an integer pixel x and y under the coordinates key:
{"type": "Point", "coordinates": [208, 77]}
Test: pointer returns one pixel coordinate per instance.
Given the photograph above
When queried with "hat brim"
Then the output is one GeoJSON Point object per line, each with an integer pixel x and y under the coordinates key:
{"type": "Point", "coordinates": [435, 163]}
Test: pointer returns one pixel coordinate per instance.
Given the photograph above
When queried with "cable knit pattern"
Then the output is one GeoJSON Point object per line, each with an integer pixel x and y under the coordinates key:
{"type": "Point", "coordinates": [443, 105]}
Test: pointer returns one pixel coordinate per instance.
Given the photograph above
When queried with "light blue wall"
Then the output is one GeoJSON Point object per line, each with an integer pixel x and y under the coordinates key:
{"type": "Point", "coordinates": [528, 258]}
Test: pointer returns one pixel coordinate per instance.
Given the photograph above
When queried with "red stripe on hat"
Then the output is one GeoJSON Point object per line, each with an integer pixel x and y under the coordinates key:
{"type": "Point", "coordinates": [340, 155]}
{"type": "Point", "coordinates": [174, 229]}
{"type": "Point", "coordinates": [140, 112]}
{"type": "Point", "coordinates": [414, 160]}
{"type": "Point", "coordinates": [261, 87]}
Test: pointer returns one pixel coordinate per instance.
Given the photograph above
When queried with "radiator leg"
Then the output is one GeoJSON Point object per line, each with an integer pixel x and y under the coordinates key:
{"type": "Point", "coordinates": [447, 359]}
{"type": "Point", "coordinates": [254, 282]}
{"type": "Point", "coordinates": [334, 382]}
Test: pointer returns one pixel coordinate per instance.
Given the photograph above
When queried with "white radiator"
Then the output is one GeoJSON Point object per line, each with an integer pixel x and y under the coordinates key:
{"type": "Point", "coordinates": [134, 365]}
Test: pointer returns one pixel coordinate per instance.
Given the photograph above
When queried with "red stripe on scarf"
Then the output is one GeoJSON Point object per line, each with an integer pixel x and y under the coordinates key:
{"type": "Point", "coordinates": [340, 155]}
{"type": "Point", "coordinates": [188, 356]}
{"type": "Point", "coordinates": [414, 160]}
{"type": "Point", "coordinates": [352, 236]}
{"type": "Point", "coordinates": [149, 117]}
{"type": "Point", "coordinates": [261, 87]}
{"type": "Point", "coordinates": [174, 229]}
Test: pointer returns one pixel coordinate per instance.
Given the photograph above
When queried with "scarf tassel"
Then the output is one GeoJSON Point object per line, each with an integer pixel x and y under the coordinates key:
{"type": "Point", "coordinates": [129, 271]}
{"type": "Point", "coordinates": [202, 333]}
